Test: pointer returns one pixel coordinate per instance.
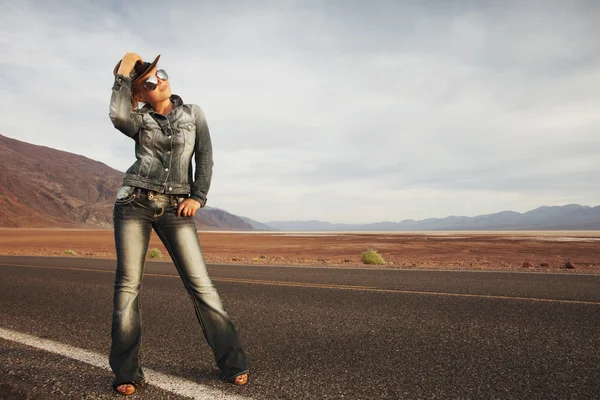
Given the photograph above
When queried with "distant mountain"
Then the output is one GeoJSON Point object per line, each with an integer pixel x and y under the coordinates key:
{"type": "Point", "coordinates": [45, 187]}
{"type": "Point", "coordinates": [257, 225]}
{"type": "Point", "coordinates": [225, 220]}
{"type": "Point", "coordinates": [568, 217]}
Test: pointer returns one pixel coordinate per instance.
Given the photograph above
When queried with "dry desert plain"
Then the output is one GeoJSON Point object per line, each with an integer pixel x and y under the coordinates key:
{"type": "Point", "coordinates": [463, 250]}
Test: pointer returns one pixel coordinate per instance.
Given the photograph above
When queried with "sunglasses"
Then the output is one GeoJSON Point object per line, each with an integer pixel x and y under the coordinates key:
{"type": "Point", "coordinates": [152, 83]}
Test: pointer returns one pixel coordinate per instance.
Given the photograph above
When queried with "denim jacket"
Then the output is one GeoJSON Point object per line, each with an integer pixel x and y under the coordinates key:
{"type": "Point", "coordinates": [164, 145]}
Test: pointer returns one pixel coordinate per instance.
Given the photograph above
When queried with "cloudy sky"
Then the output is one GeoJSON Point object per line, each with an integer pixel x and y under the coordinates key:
{"type": "Point", "coordinates": [341, 111]}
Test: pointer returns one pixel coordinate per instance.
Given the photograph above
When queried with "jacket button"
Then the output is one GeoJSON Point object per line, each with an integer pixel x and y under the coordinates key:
{"type": "Point", "coordinates": [166, 169]}
{"type": "Point", "coordinates": [170, 188]}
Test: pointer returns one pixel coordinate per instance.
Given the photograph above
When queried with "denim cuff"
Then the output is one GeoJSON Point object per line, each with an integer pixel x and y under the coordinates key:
{"type": "Point", "coordinates": [199, 199]}
{"type": "Point", "coordinates": [122, 80]}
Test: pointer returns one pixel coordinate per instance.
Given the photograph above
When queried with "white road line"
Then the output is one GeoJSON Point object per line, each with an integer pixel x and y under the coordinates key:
{"type": "Point", "coordinates": [173, 384]}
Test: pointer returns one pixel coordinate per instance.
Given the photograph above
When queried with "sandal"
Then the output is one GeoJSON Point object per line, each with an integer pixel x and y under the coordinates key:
{"type": "Point", "coordinates": [239, 380]}
{"type": "Point", "coordinates": [127, 388]}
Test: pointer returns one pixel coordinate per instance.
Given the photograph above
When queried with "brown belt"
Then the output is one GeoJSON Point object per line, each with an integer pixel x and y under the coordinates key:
{"type": "Point", "coordinates": [151, 194]}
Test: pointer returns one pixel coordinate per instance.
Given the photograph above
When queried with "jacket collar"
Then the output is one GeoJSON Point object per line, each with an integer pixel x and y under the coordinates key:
{"type": "Point", "coordinates": [177, 101]}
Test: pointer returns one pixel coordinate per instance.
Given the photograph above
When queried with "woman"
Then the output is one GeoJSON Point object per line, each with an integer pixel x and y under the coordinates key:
{"type": "Point", "coordinates": [159, 193]}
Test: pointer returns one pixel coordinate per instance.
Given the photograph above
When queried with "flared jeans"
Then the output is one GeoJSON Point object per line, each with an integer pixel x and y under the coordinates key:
{"type": "Point", "coordinates": [134, 218]}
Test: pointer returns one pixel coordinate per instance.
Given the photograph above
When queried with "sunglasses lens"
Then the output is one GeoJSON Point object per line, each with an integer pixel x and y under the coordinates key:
{"type": "Point", "coordinates": [151, 83]}
{"type": "Point", "coordinates": [150, 86]}
{"type": "Point", "coordinates": [162, 74]}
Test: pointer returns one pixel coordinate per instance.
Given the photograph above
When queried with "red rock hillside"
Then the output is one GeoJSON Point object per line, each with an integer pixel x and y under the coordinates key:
{"type": "Point", "coordinates": [45, 187]}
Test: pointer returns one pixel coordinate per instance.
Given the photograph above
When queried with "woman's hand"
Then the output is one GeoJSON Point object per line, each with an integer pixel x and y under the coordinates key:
{"type": "Point", "coordinates": [128, 62]}
{"type": "Point", "coordinates": [188, 208]}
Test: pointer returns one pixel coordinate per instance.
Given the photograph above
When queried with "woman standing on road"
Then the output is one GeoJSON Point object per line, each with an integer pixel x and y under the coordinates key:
{"type": "Point", "coordinates": [158, 193]}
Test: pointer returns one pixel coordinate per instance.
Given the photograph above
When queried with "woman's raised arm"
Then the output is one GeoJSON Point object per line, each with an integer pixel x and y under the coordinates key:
{"type": "Point", "coordinates": [122, 116]}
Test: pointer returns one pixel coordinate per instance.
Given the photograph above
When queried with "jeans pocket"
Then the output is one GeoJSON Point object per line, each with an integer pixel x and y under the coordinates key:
{"type": "Point", "coordinates": [125, 194]}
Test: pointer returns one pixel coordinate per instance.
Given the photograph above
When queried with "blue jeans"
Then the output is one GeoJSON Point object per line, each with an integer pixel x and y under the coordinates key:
{"type": "Point", "coordinates": [135, 215]}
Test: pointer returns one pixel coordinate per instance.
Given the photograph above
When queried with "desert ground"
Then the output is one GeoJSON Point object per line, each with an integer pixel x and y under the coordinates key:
{"type": "Point", "coordinates": [560, 251]}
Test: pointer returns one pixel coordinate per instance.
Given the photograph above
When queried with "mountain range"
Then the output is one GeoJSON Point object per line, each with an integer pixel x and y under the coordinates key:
{"type": "Point", "coordinates": [567, 217]}
{"type": "Point", "coordinates": [46, 187]}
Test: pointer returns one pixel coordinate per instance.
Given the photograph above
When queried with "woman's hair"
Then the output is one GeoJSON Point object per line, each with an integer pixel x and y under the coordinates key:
{"type": "Point", "coordinates": [136, 95]}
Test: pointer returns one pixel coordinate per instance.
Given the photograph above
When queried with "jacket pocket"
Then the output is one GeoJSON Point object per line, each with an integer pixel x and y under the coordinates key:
{"type": "Point", "coordinates": [125, 194]}
{"type": "Point", "coordinates": [188, 130]}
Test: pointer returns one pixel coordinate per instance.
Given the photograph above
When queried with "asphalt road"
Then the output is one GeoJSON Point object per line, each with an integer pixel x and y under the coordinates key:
{"type": "Point", "coordinates": [315, 333]}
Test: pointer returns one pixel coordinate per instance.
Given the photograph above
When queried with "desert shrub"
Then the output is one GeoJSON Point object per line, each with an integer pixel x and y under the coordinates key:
{"type": "Point", "coordinates": [372, 257]}
{"type": "Point", "coordinates": [154, 253]}
{"type": "Point", "coordinates": [69, 252]}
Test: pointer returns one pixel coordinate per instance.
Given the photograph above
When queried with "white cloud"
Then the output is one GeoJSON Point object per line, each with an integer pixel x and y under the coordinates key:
{"type": "Point", "coordinates": [333, 110]}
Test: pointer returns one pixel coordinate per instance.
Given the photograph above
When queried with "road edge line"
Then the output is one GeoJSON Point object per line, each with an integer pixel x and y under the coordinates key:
{"type": "Point", "coordinates": [169, 383]}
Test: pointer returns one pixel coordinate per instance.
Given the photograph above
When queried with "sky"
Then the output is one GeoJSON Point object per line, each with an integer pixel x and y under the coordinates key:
{"type": "Point", "coordinates": [340, 111]}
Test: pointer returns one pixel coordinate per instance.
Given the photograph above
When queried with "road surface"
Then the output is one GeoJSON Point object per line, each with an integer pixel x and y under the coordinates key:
{"type": "Point", "coordinates": [309, 333]}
